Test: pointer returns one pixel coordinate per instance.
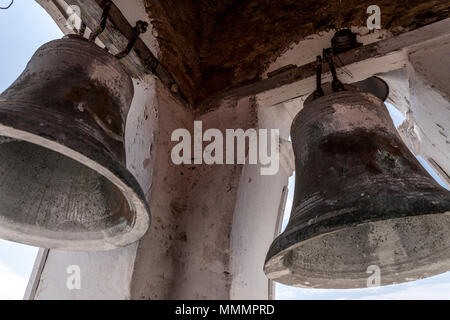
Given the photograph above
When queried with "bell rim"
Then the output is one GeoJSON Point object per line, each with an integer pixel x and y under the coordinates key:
{"type": "Point", "coordinates": [296, 256]}
{"type": "Point", "coordinates": [116, 174]}
{"type": "Point", "coordinates": [343, 283]}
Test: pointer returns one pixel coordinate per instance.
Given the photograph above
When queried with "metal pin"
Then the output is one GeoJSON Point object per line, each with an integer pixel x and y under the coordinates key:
{"type": "Point", "coordinates": [318, 92]}
{"type": "Point", "coordinates": [101, 28]}
{"type": "Point", "coordinates": [336, 84]}
{"type": "Point", "coordinates": [141, 27]}
{"type": "Point", "coordinates": [82, 29]}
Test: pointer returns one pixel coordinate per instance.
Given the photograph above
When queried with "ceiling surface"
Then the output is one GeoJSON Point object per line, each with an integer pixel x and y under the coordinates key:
{"type": "Point", "coordinates": [213, 45]}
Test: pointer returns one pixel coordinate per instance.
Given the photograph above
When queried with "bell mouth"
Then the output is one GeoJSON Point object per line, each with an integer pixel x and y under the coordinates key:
{"type": "Point", "coordinates": [404, 249]}
{"type": "Point", "coordinates": [54, 197]}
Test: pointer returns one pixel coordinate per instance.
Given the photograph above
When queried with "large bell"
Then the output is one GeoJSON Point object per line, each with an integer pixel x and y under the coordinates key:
{"type": "Point", "coordinates": [361, 200]}
{"type": "Point", "coordinates": [64, 182]}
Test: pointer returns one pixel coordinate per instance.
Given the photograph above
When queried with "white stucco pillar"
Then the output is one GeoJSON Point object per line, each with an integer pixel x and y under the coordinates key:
{"type": "Point", "coordinates": [430, 103]}
{"type": "Point", "coordinates": [211, 224]}
{"type": "Point", "coordinates": [259, 212]}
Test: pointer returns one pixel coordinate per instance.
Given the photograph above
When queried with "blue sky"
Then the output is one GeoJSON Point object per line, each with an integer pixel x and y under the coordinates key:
{"type": "Point", "coordinates": [23, 29]}
{"type": "Point", "coordinates": [26, 26]}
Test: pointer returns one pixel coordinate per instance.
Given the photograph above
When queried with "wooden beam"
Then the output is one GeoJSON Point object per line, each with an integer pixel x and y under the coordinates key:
{"type": "Point", "coordinates": [363, 62]}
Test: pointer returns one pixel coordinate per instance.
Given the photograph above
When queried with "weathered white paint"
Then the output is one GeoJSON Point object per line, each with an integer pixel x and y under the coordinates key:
{"type": "Point", "coordinates": [186, 253]}
{"type": "Point", "coordinates": [399, 94]}
{"type": "Point", "coordinates": [103, 275]}
{"type": "Point", "coordinates": [36, 272]}
{"type": "Point", "coordinates": [154, 268]}
{"type": "Point", "coordinates": [141, 130]}
{"type": "Point", "coordinates": [58, 11]}
{"type": "Point", "coordinates": [259, 209]}
{"type": "Point", "coordinates": [429, 84]}
{"type": "Point", "coordinates": [306, 50]}
{"type": "Point", "coordinates": [421, 92]}
{"type": "Point", "coordinates": [391, 55]}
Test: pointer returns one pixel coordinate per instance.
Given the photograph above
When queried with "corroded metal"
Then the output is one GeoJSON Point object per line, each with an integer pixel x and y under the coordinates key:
{"type": "Point", "coordinates": [64, 179]}
{"type": "Point", "coordinates": [140, 28]}
{"type": "Point", "coordinates": [336, 84]}
{"type": "Point", "coordinates": [319, 91]}
{"type": "Point", "coordinates": [361, 199]}
{"type": "Point", "coordinates": [106, 8]}
{"type": "Point", "coordinates": [344, 40]}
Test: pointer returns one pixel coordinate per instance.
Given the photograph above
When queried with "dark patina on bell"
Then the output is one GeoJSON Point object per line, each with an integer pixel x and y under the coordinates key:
{"type": "Point", "coordinates": [64, 182]}
{"type": "Point", "coordinates": [361, 199]}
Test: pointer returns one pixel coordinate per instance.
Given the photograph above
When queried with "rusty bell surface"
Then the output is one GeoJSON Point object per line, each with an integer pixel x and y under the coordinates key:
{"type": "Point", "coordinates": [64, 182]}
{"type": "Point", "coordinates": [361, 200]}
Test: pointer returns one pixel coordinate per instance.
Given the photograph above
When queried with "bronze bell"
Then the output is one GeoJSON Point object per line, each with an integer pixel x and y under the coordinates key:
{"type": "Point", "coordinates": [361, 200]}
{"type": "Point", "coordinates": [64, 182]}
